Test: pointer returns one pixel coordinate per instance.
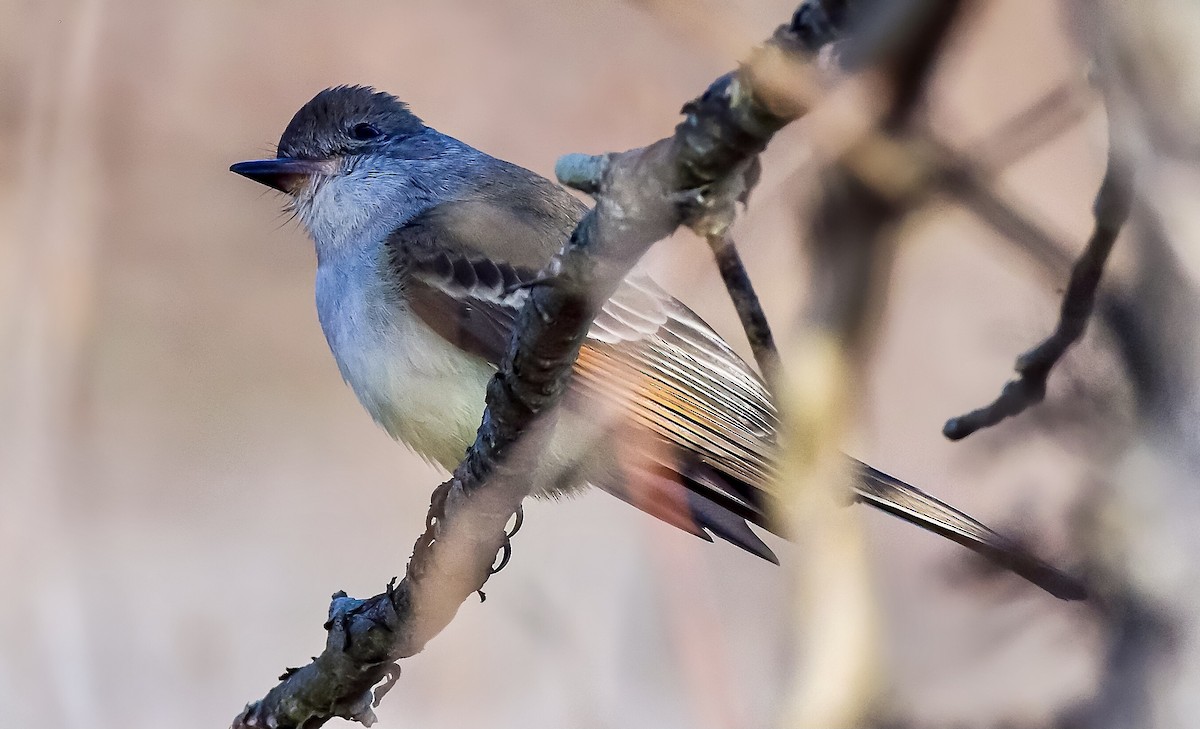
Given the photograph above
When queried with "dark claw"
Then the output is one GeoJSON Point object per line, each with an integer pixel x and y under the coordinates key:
{"type": "Point", "coordinates": [520, 519]}
{"type": "Point", "coordinates": [505, 555]}
{"type": "Point", "coordinates": [437, 505]}
{"type": "Point", "coordinates": [389, 680]}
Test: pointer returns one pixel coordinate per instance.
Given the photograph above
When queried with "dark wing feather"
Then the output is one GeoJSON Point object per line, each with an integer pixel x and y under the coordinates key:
{"type": "Point", "coordinates": [468, 302]}
{"type": "Point", "coordinates": [913, 505]}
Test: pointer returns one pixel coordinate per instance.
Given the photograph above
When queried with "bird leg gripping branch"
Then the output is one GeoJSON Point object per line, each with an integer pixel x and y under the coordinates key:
{"type": "Point", "coordinates": [641, 196]}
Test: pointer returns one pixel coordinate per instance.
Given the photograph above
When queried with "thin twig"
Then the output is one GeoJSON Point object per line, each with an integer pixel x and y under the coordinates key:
{"type": "Point", "coordinates": [1111, 209]}
{"type": "Point", "coordinates": [817, 24]}
{"type": "Point", "coordinates": [971, 186]}
{"type": "Point", "coordinates": [1030, 129]}
{"type": "Point", "coordinates": [745, 300]}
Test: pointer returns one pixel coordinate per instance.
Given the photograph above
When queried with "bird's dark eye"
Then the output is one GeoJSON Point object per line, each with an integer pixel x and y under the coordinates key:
{"type": "Point", "coordinates": [364, 131]}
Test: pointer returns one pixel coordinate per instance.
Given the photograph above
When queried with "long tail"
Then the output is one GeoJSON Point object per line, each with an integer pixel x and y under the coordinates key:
{"type": "Point", "coordinates": [721, 505]}
{"type": "Point", "coordinates": [914, 506]}
{"type": "Point", "coordinates": [704, 501]}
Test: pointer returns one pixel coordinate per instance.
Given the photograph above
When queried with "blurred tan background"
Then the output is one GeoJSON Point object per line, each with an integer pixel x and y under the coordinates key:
{"type": "Point", "coordinates": [184, 479]}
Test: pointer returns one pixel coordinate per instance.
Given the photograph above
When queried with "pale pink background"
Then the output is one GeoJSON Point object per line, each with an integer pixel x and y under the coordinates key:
{"type": "Point", "coordinates": [184, 479]}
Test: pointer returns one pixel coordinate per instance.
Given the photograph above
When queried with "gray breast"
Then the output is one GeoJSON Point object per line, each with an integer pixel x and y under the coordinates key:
{"type": "Point", "coordinates": [421, 389]}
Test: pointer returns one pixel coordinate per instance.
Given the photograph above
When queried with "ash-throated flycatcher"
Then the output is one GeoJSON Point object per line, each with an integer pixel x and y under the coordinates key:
{"type": "Point", "coordinates": [422, 245]}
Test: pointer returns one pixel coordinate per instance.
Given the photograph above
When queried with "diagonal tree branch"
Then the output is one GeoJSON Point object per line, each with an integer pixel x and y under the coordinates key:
{"type": "Point", "coordinates": [641, 196]}
{"type": "Point", "coordinates": [1030, 129]}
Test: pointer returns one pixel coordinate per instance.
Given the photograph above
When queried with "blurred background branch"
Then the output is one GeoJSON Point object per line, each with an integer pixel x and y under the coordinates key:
{"type": "Point", "coordinates": [1111, 209]}
{"type": "Point", "coordinates": [851, 236]}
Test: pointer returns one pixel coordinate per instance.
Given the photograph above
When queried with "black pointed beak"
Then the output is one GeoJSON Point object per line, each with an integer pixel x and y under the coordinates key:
{"type": "Point", "coordinates": [284, 174]}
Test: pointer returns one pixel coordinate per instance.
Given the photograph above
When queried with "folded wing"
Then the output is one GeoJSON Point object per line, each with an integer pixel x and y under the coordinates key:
{"type": "Point", "coordinates": [652, 357]}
